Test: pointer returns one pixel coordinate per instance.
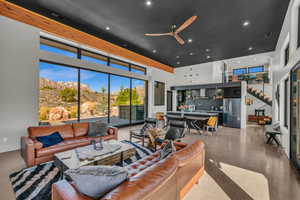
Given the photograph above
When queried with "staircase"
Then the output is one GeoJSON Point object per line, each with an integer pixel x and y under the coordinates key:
{"type": "Point", "coordinates": [260, 95]}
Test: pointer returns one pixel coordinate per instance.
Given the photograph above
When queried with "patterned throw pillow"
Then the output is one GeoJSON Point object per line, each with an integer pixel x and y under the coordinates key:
{"type": "Point", "coordinates": [96, 181]}
{"type": "Point", "coordinates": [167, 150]}
{"type": "Point", "coordinates": [97, 128]}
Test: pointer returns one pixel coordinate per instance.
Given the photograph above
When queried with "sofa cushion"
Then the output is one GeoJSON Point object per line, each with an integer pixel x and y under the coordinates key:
{"type": "Point", "coordinates": [142, 164]}
{"type": "Point", "coordinates": [95, 181]}
{"type": "Point", "coordinates": [63, 146]}
{"type": "Point", "coordinates": [97, 128]}
{"type": "Point", "coordinates": [66, 131]}
{"type": "Point", "coordinates": [50, 140]}
{"type": "Point", "coordinates": [80, 129]}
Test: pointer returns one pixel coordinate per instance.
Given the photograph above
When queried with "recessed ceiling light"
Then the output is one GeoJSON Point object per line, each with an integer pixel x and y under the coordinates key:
{"type": "Point", "coordinates": [107, 28]}
{"type": "Point", "coordinates": [207, 50]}
{"type": "Point", "coordinates": [177, 56]}
{"type": "Point", "coordinates": [190, 40]}
{"type": "Point", "coordinates": [148, 3]}
{"type": "Point", "coordinates": [178, 63]}
{"type": "Point", "coordinates": [246, 23]}
{"type": "Point", "coordinates": [250, 48]}
{"type": "Point", "coordinates": [154, 51]}
{"type": "Point", "coordinates": [191, 53]}
{"type": "Point", "coordinates": [208, 57]}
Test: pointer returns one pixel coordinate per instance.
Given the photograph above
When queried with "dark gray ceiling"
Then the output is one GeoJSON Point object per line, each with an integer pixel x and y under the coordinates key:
{"type": "Point", "coordinates": [219, 26]}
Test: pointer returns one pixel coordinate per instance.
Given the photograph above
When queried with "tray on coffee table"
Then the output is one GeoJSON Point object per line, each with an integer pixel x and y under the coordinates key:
{"type": "Point", "coordinates": [69, 159]}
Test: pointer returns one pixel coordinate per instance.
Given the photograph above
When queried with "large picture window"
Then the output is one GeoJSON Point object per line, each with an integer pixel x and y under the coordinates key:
{"type": "Point", "coordinates": [72, 94]}
{"type": "Point", "coordinates": [138, 100]}
{"type": "Point", "coordinates": [119, 100]}
{"type": "Point", "coordinates": [58, 99]}
{"type": "Point", "coordinates": [93, 96]}
{"type": "Point", "coordinates": [159, 93]}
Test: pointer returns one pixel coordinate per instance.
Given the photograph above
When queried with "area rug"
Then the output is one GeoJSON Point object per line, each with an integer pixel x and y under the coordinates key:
{"type": "Point", "coordinates": [35, 182]}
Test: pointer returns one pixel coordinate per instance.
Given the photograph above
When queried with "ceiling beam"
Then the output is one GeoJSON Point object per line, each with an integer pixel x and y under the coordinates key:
{"type": "Point", "coordinates": [21, 14]}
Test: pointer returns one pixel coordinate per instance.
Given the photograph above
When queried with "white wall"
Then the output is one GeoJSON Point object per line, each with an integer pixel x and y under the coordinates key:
{"type": "Point", "coordinates": [280, 72]}
{"type": "Point", "coordinates": [18, 81]}
{"type": "Point", "coordinates": [211, 72]}
{"type": "Point", "coordinates": [161, 76]}
{"type": "Point", "coordinates": [199, 74]}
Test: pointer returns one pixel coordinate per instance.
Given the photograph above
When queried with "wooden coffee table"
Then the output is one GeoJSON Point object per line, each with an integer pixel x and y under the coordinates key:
{"type": "Point", "coordinates": [69, 159]}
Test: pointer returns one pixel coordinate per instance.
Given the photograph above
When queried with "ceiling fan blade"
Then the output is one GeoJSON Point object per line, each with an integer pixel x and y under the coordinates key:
{"type": "Point", "coordinates": [186, 24]}
{"type": "Point", "coordinates": [179, 39]}
{"type": "Point", "coordinates": [157, 34]}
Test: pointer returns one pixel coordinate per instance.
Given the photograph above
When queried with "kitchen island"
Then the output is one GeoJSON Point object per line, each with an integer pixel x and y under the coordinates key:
{"type": "Point", "coordinates": [195, 120]}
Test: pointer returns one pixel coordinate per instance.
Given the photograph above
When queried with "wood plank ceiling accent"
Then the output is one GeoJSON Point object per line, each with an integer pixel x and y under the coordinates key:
{"type": "Point", "coordinates": [18, 13]}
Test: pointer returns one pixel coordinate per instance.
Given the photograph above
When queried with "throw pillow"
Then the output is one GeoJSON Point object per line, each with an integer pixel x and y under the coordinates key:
{"type": "Point", "coordinates": [167, 150]}
{"type": "Point", "coordinates": [97, 128]}
{"type": "Point", "coordinates": [50, 140]}
{"type": "Point", "coordinates": [145, 128]}
{"type": "Point", "coordinates": [96, 181]}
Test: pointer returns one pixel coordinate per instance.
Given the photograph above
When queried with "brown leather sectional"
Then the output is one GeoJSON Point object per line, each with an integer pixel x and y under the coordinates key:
{"type": "Point", "coordinates": [74, 135]}
{"type": "Point", "coordinates": [150, 178]}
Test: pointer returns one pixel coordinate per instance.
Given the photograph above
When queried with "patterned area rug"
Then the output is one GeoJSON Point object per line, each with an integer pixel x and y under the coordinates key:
{"type": "Point", "coordinates": [35, 182]}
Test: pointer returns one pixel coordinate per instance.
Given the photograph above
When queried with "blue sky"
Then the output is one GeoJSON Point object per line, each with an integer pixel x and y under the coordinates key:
{"type": "Point", "coordinates": [95, 80]}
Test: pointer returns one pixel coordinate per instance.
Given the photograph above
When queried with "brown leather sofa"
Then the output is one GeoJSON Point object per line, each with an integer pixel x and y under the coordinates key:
{"type": "Point", "coordinates": [150, 178]}
{"type": "Point", "coordinates": [74, 135]}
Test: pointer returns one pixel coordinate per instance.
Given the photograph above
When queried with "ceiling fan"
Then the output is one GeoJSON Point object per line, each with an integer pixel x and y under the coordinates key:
{"type": "Point", "coordinates": [174, 32]}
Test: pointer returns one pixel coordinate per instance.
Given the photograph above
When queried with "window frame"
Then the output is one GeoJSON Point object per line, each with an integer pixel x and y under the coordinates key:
{"type": "Point", "coordinates": [245, 68]}
{"type": "Point", "coordinates": [109, 93]}
{"type": "Point", "coordinates": [249, 68]}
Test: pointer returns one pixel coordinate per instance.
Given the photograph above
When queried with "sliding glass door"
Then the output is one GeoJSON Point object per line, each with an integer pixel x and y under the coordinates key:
{"type": "Point", "coordinates": [73, 94]}
{"type": "Point", "coordinates": [295, 118]}
{"type": "Point", "coordinates": [138, 101]}
{"type": "Point", "coordinates": [119, 100]}
{"type": "Point", "coordinates": [93, 96]}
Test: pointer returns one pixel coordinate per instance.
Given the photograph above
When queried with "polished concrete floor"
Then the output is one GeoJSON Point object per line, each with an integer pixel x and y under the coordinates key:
{"type": "Point", "coordinates": [239, 166]}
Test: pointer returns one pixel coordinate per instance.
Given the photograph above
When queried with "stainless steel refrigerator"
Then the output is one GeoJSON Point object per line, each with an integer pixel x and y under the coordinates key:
{"type": "Point", "coordinates": [232, 112]}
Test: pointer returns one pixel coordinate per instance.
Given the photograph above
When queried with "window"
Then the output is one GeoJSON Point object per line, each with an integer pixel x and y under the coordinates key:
{"type": "Point", "coordinates": [286, 100]}
{"type": "Point", "coordinates": [138, 101]}
{"type": "Point", "coordinates": [256, 69]}
{"type": "Point", "coordinates": [58, 99]}
{"type": "Point", "coordinates": [119, 100]}
{"type": "Point", "coordinates": [93, 96]}
{"type": "Point", "coordinates": [59, 48]}
{"type": "Point", "coordinates": [138, 70]}
{"type": "Point", "coordinates": [159, 93]}
{"type": "Point", "coordinates": [93, 57]}
{"type": "Point", "coordinates": [286, 54]}
{"type": "Point", "coordinates": [240, 71]}
{"type": "Point", "coordinates": [119, 64]}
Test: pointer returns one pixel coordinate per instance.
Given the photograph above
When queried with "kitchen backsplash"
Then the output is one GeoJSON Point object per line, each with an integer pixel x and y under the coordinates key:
{"type": "Point", "coordinates": [206, 104]}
